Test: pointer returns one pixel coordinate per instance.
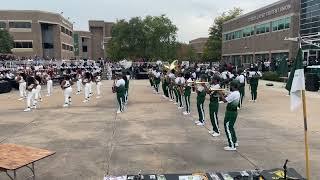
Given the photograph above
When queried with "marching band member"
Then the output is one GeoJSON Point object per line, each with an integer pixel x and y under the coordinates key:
{"type": "Point", "coordinates": [119, 86]}
{"type": "Point", "coordinates": [90, 84]}
{"type": "Point", "coordinates": [67, 90]}
{"type": "Point", "coordinates": [165, 84]}
{"type": "Point", "coordinates": [171, 77]}
{"type": "Point", "coordinates": [201, 96]}
{"type": "Point", "coordinates": [156, 80]}
{"type": "Point", "coordinates": [187, 93]}
{"type": "Point", "coordinates": [79, 81]}
{"type": "Point", "coordinates": [31, 90]}
{"type": "Point", "coordinates": [179, 82]}
{"type": "Point", "coordinates": [231, 114]}
{"type": "Point", "coordinates": [254, 82]}
{"type": "Point", "coordinates": [49, 85]}
{"type": "Point", "coordinates": [214, 106]}
{"type": "Point", "coordinates": [150, 75]}
{"type": "Point", "coordinates": [37, 96]}
{"type": "Point", "coordinates": [98, 85]}
{"type": "Point", "coordinates": [242, 85]}
{"type": "Point", "coordinates": [86, 83]}
{"type": "Point", "coordinates": [21, 79]}
{"type": "Point", "coordinates": [127, 81]}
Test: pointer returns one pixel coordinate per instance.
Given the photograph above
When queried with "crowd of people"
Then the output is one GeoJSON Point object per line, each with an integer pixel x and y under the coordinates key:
{"type": "Point", "coordinates": [223, 84]}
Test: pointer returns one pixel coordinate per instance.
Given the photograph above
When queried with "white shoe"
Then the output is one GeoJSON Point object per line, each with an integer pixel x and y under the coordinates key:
{"type": "Point", "coordinates": [238, 108]}
{"type": "Point", "coordinates": [27, 110]}
{"type": "Point", "coordinates": [98, 97]}
{"type": "Point", "coordinates": [211, 132]}
{"type": "Point", "coordinates": [164, 96]}
{"type": "Point", "coordinates": [215, 134]}
{"type": "Point", "coordinates": [34, 107]}
{"type": "Point", "coordinates": [196, 122]}
{"type": "Point", "coordinates": [118, 112]}
{"type": "Point", "coordinates": [180, 107]}
{"type": "Point", "coordinates": [200, 124]}
{"type": "Point", "coordinates": [85, 101]}
{"type": "Point", "coordinates": [236, 144]}
{"type": "Point", "coordinates": [65, 105]}
{"type": "Point", "coordinates": [250, 100]}
{"type": "Point", "coordinates": [48, 95]}
{"type": "Point", "coordinates": [175, 103]}
{"type": "Point", "coordinates": [20, 99]}
{"type": "Point", "coordinates": [227, 148]}
{"type": "Point", "coordinates": [170, 100]}
{"type": "Point", "coordinates": [221, 102]}
{"type": "Point", "coordinates": [255, 101]}
{"type": "Point", "coordinates": [185, 113]}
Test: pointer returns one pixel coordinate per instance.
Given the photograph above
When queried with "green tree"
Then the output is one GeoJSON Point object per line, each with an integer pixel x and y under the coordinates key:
{"type": "Point", "coordinates": [152, 37]}
{"type": "Point", "coordinates": [212, 50]}
{"type": "Point", "coordinates": [6, 41]}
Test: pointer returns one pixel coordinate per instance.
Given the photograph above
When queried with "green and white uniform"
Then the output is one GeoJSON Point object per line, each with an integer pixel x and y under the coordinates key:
{"type": "Point", "coordinates": [120, 84]}
{"type": "Point", "coordinates": [165, 86]}
{"type": "Point", "coordinates": [242, 85]}
{"type": "Point", "coordinates": [187, 94]}
{"type": "Point", "coordinates": [254, 82]}
{"type": "Point", "coordinates": [200, 101]}
{"type": "Point", "coordinates": [171, 85]}
{"type": "Point", "coordinates": [157, 80]}
{"type": "Point", "coordinates": [179, 81]}
{"type": "Point", "coordinates": [127, 89]}
{"type": "Point", "coordinates": [230, 118]}
{"type": "Point", "coordinates": [214, 108]}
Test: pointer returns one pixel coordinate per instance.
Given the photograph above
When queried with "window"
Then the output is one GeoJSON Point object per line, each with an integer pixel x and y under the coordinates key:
{"type": "Point", "coordinates": [67, 47]}
{"type": "Point", "coordinates": [20, 24]}
{"type": "Point", "coordinates": [47, 45]}
{"type": "Point", "coordinates": [22, 44]}
{"type": "Point", "coordinates": [3, 25]}
{"type": "Point", "coordinates": [281, 24]}
{"type": "Point", "coordinates": [263, 28]}
{"type": "Point", "coordinates": [63, 29]}
{"type": "Point", "coordinates": [248, 31]}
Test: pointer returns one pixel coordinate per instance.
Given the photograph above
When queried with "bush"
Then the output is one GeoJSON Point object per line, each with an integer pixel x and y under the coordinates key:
{"type": "Point", "coordinates": [271, 76]}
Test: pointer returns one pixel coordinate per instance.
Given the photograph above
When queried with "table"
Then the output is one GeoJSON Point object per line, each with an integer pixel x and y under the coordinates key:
{"type": "Point", "coordinates": [14, 157]}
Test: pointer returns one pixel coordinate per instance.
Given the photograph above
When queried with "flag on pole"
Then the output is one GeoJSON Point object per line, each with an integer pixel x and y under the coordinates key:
{"type": "Point", "coordinates": [296, 81]}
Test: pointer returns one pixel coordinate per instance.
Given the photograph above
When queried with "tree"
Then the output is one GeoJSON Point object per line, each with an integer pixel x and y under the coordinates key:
{"type": "Point", "coordinates": [185, 52]}
{"type": "Point", "coordinates": [212, 50]}
{"type": "Point", "coordinates": [152, 37]}
{"type": "Point", "coordinates": [6, 42]}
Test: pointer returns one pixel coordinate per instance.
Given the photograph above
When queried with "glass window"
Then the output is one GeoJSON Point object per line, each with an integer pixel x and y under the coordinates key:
{"type": "Point", "coordinates": [281, 24]}
{"type": "Point", "coordinates": [23, 44]}
{"type": "Point", "coordinates": [63, 29]}
{"type": "Point", "coordinates": [3, 25]}
{"type": "Point", "coordinates": [275, 26]}
{"type": "Point", "coordinates": [20, 24]}
{"type": "Point", "coordinates": [84, 48]}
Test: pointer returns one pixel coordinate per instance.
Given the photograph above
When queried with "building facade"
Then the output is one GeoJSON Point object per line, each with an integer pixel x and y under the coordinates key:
{"type": "Point", "coordinates": [310, 25]}
{"type": "Point", "coordinates": [38, 33]}
{"type": "Point", "coordinates": [198, 45]}
{"type": "Point", "coordinates": [82, 44]}
{"type": "Point", "coordinates": [101, 35]}
{"type": "Point", "coordinates": [260, 35]}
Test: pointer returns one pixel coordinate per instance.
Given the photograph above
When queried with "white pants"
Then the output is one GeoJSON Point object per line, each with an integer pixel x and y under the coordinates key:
{"type": "Point", "coordinates": [22, 89]}
{"type": "Point", "coordinates": [38, 93]}
{"type": "Point", "coordinates": [49, 87]}
{"type": "Point", "coordinates": [67, 95]}
{"type": "Point", "coordinates": [98, 88]}
{"type": "Point", "coordinates": [30, 97]}
{"type": "Point", "coordinates": [79, 85]}
{"type": "Point", "coordinates": [90, 88]}
{"type": "Point", "coordinates": [87, 91]}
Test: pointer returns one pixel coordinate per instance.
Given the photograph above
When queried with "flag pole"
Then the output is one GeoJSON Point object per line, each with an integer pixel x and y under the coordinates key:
{"type": "Point", "coordinates": [306, 144]}
{"type": "Point", "coordinates": [305, 122]}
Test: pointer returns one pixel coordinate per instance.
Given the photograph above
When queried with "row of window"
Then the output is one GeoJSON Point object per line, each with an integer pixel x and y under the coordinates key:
{"type": "Point", "coordinates": [310, 8]}
{"type": "Point", "coordinates": [310, 20]}
{"type": "Point", "coordinates": [277, 25]}
{"type": "Point", "coordinates": [66, 31]}
{"type": "Point", "coordinates": [15, 24]}
{"type": "Point", "coordinates": [310, 25]}
{"type": "Point", "coordinates": [67, 47]}
{"type": "Point", "coordinates": [23, 44]}
{"type": "Point", "coordinates": [310, 14]}
{"type": "Point", "coordinates": [310, 31]}
{"type": "Point", "coordinates": [308, 3]}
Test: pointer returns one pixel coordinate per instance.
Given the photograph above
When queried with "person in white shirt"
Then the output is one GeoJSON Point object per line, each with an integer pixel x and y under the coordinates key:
{"type": "Point", "coordinates": [37, 96]}
{"type": "Point", "coordinates": [98, 85]}
{"type": "Point", "coordinates": [179, 82]}
{"type": "Point", "coordinates": [79, 81]}
{"type": "Point", "coordinates": [156, 80]}
{"type": "Point", "coordinates": [241, 79]}
{"type": "Point", "coordinates": [31, 90]}
{"type": "Point", "coordinates": [200, 102]}
{"type": "Point", "coordinates": [86, 83]}
{"type": "Point", "coordinates": [49, 84]}
{"type": "Point", "coordinates": [231, 115]}
{"type": "Point", "coordinates": [22, 85]}
{"type": "Point", "coordinates": [67, 90]}
{"type": "Point", "coordinates": [120, 90]}
{"type": "Point", "coordinates": [171, 85]}
{"type": "Point", "coordinates": [187, 94]}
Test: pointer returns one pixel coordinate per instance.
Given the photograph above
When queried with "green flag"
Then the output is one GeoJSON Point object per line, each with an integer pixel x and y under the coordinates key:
{"type": "Point", "coordinates": [296, 81]}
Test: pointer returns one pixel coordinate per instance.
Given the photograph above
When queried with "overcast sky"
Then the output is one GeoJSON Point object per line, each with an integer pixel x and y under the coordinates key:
{"type": "Point", "coordinates": [193, 17]}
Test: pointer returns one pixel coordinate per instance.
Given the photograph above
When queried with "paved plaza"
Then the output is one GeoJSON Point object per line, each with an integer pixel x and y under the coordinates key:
{"type": "Point", "coordinates": [153, 136]}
